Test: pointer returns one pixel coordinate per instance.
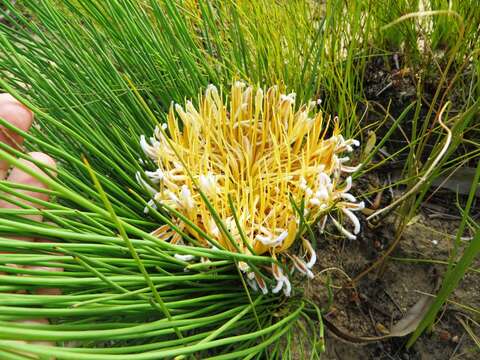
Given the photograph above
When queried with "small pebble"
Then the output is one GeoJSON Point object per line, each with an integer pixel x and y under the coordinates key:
{"type": "Point", "coordinates": [382, 329]}
{"type": "Point", "coordinates": [444, 335]}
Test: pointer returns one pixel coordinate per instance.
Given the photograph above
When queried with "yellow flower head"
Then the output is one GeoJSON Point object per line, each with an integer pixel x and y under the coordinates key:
{"type": "Point", "coordinates": [260, 151]}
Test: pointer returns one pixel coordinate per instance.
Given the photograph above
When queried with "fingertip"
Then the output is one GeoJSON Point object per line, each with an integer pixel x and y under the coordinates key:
{"type": "Point", "coordinates": [18, 176]}
{"type": "Point", "coordinates": [15, 112]}
{"type": "Point", "coordinates": [33, 321]}
{"type": "Point", "coordinates": [47, 291]}
{"type": "Point", "coordinates": [17, 115]}
{"type": "Point", "coordinates": [43, 158]}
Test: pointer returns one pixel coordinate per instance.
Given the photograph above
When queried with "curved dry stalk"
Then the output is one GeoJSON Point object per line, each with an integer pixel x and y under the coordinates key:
{"type": "Point", "coordinates": [333, 268]}
{"type": "Point", "coordinates": [426, 175]}
{"type": "Point", "coordinates": [420, 14]}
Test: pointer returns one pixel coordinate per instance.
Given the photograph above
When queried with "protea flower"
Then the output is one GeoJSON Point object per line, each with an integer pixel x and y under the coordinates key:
{"type": "Point", "coordinates": [260, 151]}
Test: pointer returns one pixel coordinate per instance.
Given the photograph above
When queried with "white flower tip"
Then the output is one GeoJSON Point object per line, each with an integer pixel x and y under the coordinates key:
{"type": "Point", "coordinates": [287, 289]}
{"type": "Point", "coordinates": [303, 183]}
{"type": "Point", "coordinates": [186, 197]}
{"type": "Point", "coordinates": [344, 231]}
{"type": "Point", "coordinates": [184, 257]}
{"type": "Point", "coordinates": [278, 287]}
{"type": "Point", "coordinates": [323, 178]}
{"type": "Point", "coordinates": [281, 237]}
{"type": "Point", "coordinates": [155, 176]}
{"type": "Point", "coordinates": [143, 144]}
{"type": "Point", "coordinates": [208, 184]}
{"type": "Point", "coordinates": [348, 183]}
{"type": "Point", "coordinates": [149, 150]}
{"type": "Point", "coordinates": [310, 274]}
{"type": "Point", "coordinates": [253, 284]}
{"type": "Point", "coordinates": [288, 98]}
{"type": "Point", "coordinates": [214, 230]}
{"type": "Point", "coordinates": [322, 194]}
{"type": "Point", "coordinates": [239, 84]}
{"type": "Point", "coordinates": [185, 191]}
{"type": "Point", "coordinates": [348, 196]}
{"type": "Point", "coordinates": [312, 252]}
{"type": "Point", "coordinates": [312, 261]}
{"type": "Point", "coordinates": [150, 204]}
{"type": "Point", "coordinates": [243, 266]}
{"type": "Point", "coordinates": [172, 197]}
{"type": "Point", "coordinates": [178, 108]}
{"type": "Point", "coordinates": [269, 240]}
{"type": "Point", "coordinates": [353, 219]}
{"type": "Point", "coordinates": [350, 169]}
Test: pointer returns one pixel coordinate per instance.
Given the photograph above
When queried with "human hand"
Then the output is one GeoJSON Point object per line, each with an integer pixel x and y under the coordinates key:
{"type": "Point", "coordinates": [16, 114]}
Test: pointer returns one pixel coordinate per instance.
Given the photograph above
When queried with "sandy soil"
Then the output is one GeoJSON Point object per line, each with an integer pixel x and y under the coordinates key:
{"type": "Point", "coordinates": [383, 296]}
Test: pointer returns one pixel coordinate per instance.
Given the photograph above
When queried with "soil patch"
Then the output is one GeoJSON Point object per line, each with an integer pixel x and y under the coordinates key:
{"type": "Point", "coordinates": [383, 296]}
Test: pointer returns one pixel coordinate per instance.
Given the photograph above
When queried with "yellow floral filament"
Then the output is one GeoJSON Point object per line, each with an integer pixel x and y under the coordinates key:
{"type": "Point", "coordinates": [259, 150]}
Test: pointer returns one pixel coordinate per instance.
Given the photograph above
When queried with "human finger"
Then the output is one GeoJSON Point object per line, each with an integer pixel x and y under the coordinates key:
{"type": "Point", "coordinates": [18, 115]}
